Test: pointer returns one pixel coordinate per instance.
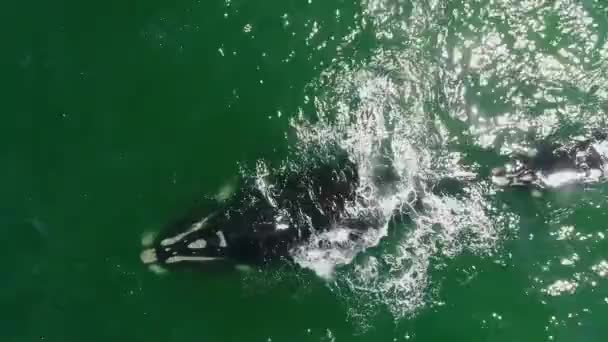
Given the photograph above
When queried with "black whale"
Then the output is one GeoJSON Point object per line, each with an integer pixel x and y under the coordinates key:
{"type": "Point", "coordinates": [556, 166]}
{"type": "Point", "coordinates": [264, 219]}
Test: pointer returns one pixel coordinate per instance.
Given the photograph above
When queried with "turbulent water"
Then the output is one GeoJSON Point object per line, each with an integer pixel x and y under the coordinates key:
{"type": "Point", "coordinates": [445, 86]}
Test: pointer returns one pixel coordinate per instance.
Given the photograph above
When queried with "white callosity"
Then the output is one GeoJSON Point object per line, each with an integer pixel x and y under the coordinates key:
{"type": "Point", "coordinates": [179, 237]}
{"type": "Point", "coordinates": [198, 244]}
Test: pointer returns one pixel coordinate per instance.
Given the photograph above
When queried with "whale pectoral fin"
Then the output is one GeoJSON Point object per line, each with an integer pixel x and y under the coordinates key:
{"type": "Point", "coordinates": [148, 238]}
{"type": "Point", "coordinates": [227, 190]}
{"type": "Point", "coordinates": [150, 259]}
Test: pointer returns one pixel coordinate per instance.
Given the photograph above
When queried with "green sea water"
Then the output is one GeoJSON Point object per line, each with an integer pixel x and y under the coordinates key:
{"type": "Point", "coordinates": [116, 116]}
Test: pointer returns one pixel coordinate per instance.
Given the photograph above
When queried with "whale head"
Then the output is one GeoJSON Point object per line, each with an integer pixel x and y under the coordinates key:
{"type": "Point", "coordinates": [198, 243]}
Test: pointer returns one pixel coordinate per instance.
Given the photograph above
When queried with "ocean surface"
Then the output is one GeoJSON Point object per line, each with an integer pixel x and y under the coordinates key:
{"type": "Point", "coordinates": [116, 116]}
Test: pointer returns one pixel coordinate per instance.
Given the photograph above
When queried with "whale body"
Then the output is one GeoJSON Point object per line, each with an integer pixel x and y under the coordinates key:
{"type": "Point", "coordinates": [267, 217]}
{"type": "Point", "coordinates": [264, 219]}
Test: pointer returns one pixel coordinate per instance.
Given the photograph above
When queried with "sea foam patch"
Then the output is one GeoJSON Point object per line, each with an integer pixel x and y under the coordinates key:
{"type": "Point", "coordinates": [389, 127]}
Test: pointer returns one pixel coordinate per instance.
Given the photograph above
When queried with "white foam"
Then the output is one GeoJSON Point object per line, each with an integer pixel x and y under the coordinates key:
{"type": "Point", "coordinates": [390, 123]}
{"type": "Point", "coordinates": [281, 226]}
{"type": "Point", "coordinates": [561, 178]}
{"type": "Point", "coordinates": [386, 103]}
{"type": "Point", "coordinates": [602, 148]}
{"type": "Point", "coordinates": [328, 250]}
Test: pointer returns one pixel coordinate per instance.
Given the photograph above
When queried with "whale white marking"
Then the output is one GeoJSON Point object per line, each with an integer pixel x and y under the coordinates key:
{"type": "Point", "coordinates": [222, 238]}
{"type": "Point", "coordinates": [198, 244]}
{"type": "Point", "coordinates": [195, 226]}
{"type": "Point", "coordinates": [179, 258]}
{"type": "Point", "coordinates": [148, 256]}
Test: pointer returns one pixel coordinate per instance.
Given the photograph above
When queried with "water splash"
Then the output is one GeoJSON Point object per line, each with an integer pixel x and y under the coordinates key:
{"type": "Point", "coordinates": [378, 115]}
{"type": "Point", "coordinates": [428, 91]}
